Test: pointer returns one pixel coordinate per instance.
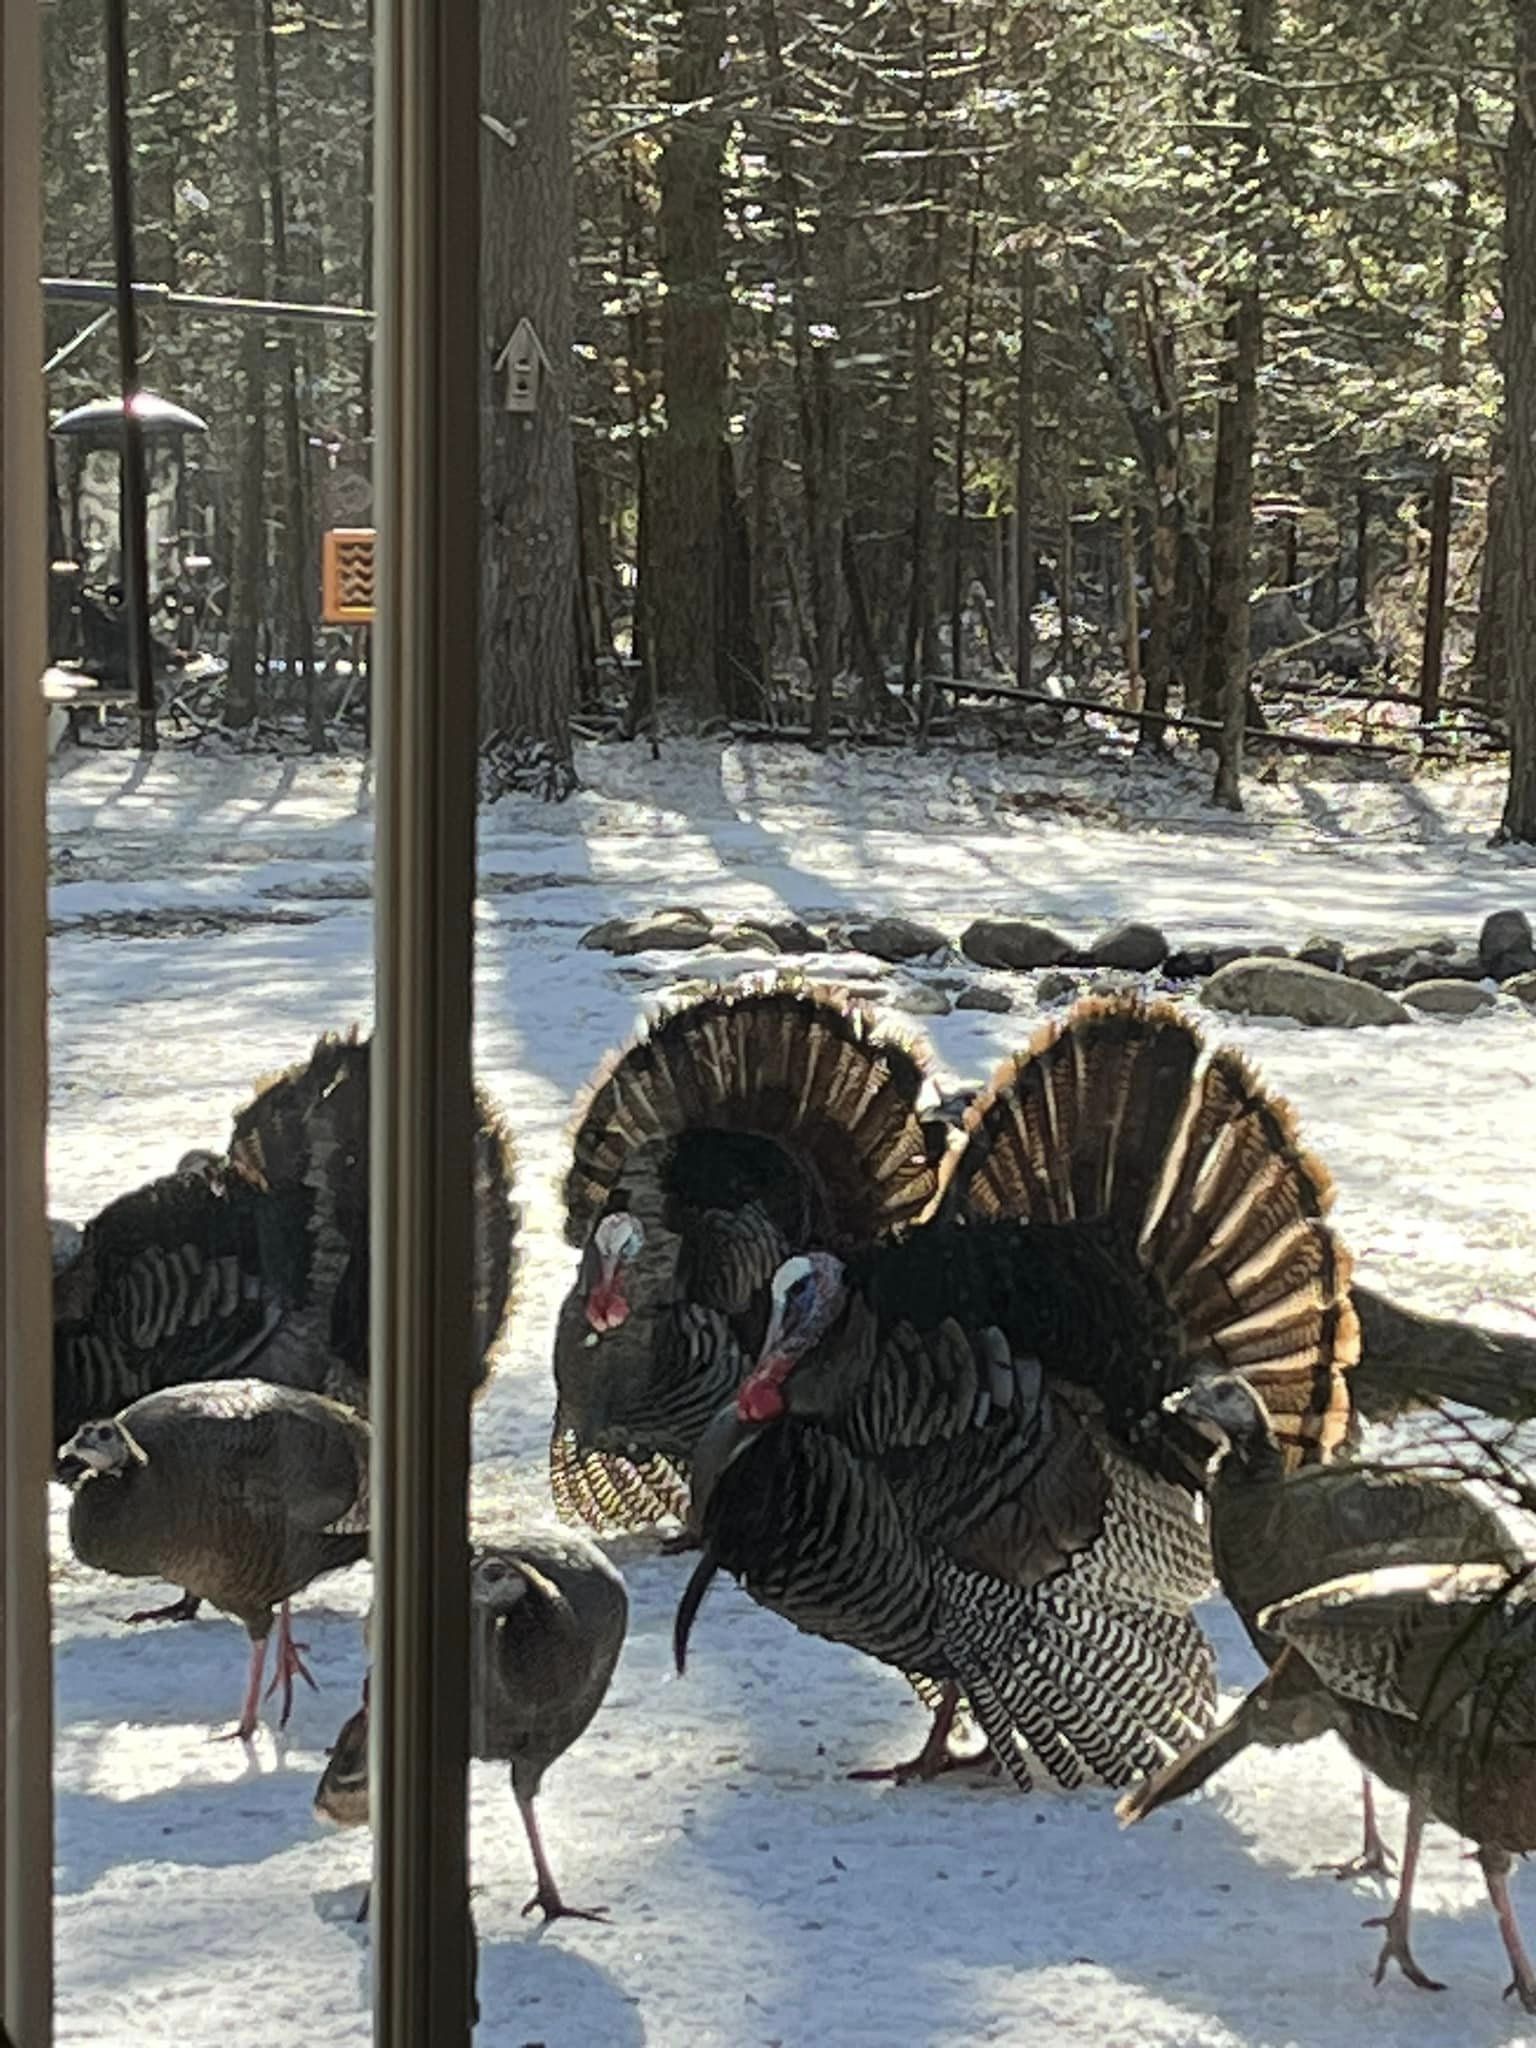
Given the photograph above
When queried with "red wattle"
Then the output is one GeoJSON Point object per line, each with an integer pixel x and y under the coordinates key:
{"type": "Point", "coordinates": [606, 1307]}
{"type": "Point", "coordinates": [760, 1400]}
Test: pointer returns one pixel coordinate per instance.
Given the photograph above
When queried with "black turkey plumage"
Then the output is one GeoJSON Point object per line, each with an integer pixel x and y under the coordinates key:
{"type": "Point", "coordinates": [257, 1264]}
{"type": "Point", "coordinates": [240, 1491]}
{"type": "Point", "coordinates": [953, 1451]}
{"type": "Point", "coordinates": [744, 1127]}
{"type": "Point", "coordinates": [548, 1614]}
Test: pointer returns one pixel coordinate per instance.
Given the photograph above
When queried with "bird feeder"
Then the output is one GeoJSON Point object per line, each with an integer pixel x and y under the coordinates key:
{"type": "Point", "coordinates": [525, 365]}
{"type": "Point", "coordinates": [346, 575]}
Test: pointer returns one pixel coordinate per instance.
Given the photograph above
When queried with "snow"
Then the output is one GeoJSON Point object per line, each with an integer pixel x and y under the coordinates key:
{"type": "Point", "coordinates": [757, 1895]}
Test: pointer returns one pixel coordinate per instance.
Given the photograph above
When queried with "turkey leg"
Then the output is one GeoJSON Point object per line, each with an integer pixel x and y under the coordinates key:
{"type": "Point", "coordinates": [934, 1757]}
{"type": "Point", "coordinates": [289, 1665]}
{"type": "Point", "coordinates": [547, 1898]}
{"type": "Point", "coordinates": [1496, 1864]}
{"type": "Point", "coordinates": [184, 1609]}
{"type": "Point", "coordinates": [250, 1710]}
{"type": "Point", "coordinates": [1375, 1858]}
{"type": "Point", "coordinates": [1395, 1948]}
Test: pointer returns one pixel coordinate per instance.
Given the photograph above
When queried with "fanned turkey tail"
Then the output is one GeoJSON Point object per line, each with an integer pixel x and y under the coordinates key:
{"type": "Point", "coordinates": [1110, 1119]}
{"type": "Point", "coordinates": [744, 1125]}
{"type": "Point", "coordinates": [807, 1071]}
{"type": "Point", "coordinates": [306, 1131]}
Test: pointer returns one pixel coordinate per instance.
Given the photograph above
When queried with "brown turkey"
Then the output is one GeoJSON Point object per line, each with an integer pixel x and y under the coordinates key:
{"type": "Point", "coordinates": [1428, 1672]}
{"type": "Point", "coordinates": [733, 1132]}
{"type": "Point", "coordinates": [241, 1492]}
{"type": "Point", "coordinates": [953, 1451]}
{"type": "Point", "coordinates": [548, 1613]}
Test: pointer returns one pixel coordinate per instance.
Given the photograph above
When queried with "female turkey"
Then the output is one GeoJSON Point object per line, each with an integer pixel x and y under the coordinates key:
{"type": "Point", "coordinates": [548, 1614]}
{"type": "Point", "coordinates": [1428, 1672]}
{"type": "Point", "coordinates": [1276, 1533]}
{"type": "Point", "coordinates": [953, 1451]}
{"type": "Point", "coordinates": [257, 1264]}
{"type": "Point", "coordinates": [742, 1128]}
{"type": "Point", "coordinates": [241, 1492]}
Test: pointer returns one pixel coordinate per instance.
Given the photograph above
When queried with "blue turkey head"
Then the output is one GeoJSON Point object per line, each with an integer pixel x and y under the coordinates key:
{"type": "Point", "coordinates": [807, 1297]}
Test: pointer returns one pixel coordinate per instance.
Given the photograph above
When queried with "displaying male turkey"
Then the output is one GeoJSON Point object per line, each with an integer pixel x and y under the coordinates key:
{"type": "Point", "coordinates": [952, 1451]}
{"type": "Point", "coordinates": [240, 1491]}
{"type": "Point", "coordinates": [257, 1264]}
{"type": "Point", "coordinates": [1275, 1533]}
{"type": "Point", "coordinates": [548, 1614]}
{"type": "Point", "coordinates": [1428, 1671]}
{"type": "Point", "coordinates": [733, 1132]}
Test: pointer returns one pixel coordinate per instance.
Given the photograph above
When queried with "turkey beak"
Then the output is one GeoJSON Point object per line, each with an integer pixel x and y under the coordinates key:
{"type": "Point", "coordinates": [69, 1469]}
{"type": "Point", "coordinates": [717, 1449]}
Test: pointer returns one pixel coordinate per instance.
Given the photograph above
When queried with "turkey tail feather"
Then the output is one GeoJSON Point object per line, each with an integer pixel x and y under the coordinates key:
{"type": "Point", "coordinates": [1108, 1117]}
{"type": "Point", "coordinates": [807, 1070]}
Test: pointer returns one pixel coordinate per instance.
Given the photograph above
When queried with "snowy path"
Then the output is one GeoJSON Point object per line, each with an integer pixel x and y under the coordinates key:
{"type": "Point", "coordinates": [757, 1897]}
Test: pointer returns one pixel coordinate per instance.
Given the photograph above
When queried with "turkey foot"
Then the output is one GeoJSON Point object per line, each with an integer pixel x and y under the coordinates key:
{"type": "Point", "coordinates": [288, 1666]}
{"type": "Point", "coordinates": [184, 1609]}
{"type": "Point", "coordinates": [553, 1907]}
{"type": "Point", "coordinates": [1375, 1858]}
{"type": "Point", "coordinates": [934, 1758]}
{"type": "Point", "coordinates": [1395, 1949]}
{"type": "Point", "coordinates": [547, 1898]}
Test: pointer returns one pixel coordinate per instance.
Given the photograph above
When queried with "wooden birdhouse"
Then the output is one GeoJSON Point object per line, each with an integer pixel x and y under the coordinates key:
{"type": "Point", "coordinates": [525, 366]}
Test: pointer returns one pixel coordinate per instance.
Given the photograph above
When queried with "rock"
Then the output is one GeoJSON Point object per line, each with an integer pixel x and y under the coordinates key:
{"type": "Point", "coordinates": [919, 999]}
{"type": "Point", "coordinates": [789, 934]}
{"type": "Point", "coordinates": [1261, 986]}
{"type": "Point", "coordinates": [1012, 942]}
{"type": "Point", "coordinates": [1382, 966]}
{"type": "Point", "coordinates": [896, 939]}
{"type": "Point", "coordinates": [1189, 963]}
{"type": "Point", "coordinates": [1523, 988]}
{"type": "Point", "coordinates": [1139, 947]}
{"type": "Point", "coordinates": [1057, 985]}
{"type": "Point", "coordinates": [980, 995]}
{"type": "Point", "coordinates": [1323, 952]}
{"type": "Point", "coordinates": [746, 938]}
{"type": "Point", "coordinates": [667, 931]}
{"type": "Point", "coordinates": [1444, 997]}
{"type": "Point", "coordinates": [1223, 956]}
{"type": "Point", "coordinates": [1505, 946]}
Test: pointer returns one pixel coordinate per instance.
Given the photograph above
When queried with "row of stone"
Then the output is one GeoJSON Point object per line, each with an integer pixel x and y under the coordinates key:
{"type": "Point", "coordinates": [1505, 949]}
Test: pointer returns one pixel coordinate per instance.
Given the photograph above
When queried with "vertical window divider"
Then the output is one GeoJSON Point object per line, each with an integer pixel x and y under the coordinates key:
{"type": "Point", "coordinates": [427, 129]}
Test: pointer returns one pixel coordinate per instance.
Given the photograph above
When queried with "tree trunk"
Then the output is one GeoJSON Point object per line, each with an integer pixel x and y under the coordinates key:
{"type": "Point", "coordinates": [1364, 563]}
{"type": "Point", "coordinates": [686, 604]}
{"type": "Point", "coordinates": [157, 155]}
{"type": "Point", "coordinates": [248, 560]}
{"type": "Point", "coordinates": [1519, 339]}
{"type": "Point", "coordinates": [1490, 647]}
{"type": "Point", "coordinates": [528, 561]}
{"type": "Point", "coordinates": [1132, 612]}
{"type": "Point", "coordinates": [1452, 313]}
{"type": "Point", "coordinates": [962, 430]}
{"type": "Point", "coordinates": [1024, 428]}
{"type": "Point", "coordinates": [820, 450]}
{"type": "Point", "coordinates": [298, 546]}
{"type": "Point", "coordinates": [1228, 609]}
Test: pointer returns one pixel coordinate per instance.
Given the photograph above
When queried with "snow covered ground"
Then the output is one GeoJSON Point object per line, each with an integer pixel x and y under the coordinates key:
{"type": "Point", "coordinates": [212, 917]}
